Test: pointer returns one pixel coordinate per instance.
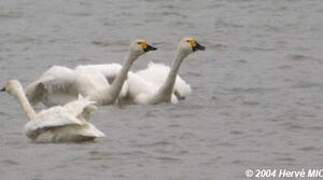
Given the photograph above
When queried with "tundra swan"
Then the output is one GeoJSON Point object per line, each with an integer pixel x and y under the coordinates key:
{"type": "Point", "coordinates": [60, 85]}
{"type": "Point", "coordinates": [67, 123]}
{"type": "Point", "coordinates": [158, 89]}
{"type": "Point", "coordinates": [157, 73]}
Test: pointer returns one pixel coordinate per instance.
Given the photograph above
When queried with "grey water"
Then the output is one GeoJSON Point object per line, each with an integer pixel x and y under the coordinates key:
{"type": "Point", "coordinates": [257, 95]}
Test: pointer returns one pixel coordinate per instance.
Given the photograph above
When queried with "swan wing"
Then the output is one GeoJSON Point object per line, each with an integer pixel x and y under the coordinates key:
{"type": "Point", "coordinates": [51, 118]}
{"type": "Point", "coordinates": [89, 130]}
{"type": "Point", "coordinates": [157, 74]}
{"type": "Point", "coordinates": [81, 108]}
{"type": "Point", "coordinates": [109, 72]}
{"type": "Point", "coordinates": [138, 85]}
{"type": "Point", "coordinates": [56, 84]}
{"type": "Point", "coordinates": [140, 91]}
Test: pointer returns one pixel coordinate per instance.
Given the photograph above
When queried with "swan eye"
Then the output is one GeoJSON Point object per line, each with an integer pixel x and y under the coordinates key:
{"type": "Point", "coordinates": [192, 43]}
{"type": "Point", "coordinates": [143, 45]}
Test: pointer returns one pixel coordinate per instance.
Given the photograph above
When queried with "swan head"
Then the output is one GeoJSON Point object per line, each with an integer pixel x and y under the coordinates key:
{"type": "Point", "coordinates": [12, 87]}
{"type": "Point", "coordinates": [189, 45]}
{"type": "Point", "coordinates": [140, 47]}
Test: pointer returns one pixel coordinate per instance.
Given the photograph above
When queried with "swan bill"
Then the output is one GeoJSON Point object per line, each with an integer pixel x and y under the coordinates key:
{"type": "Point", "coordinates": [3, 89]}
{"type": "Point", "coordinates": [198, 47]}
{"type": "Point", "coordinates": [149, 48]}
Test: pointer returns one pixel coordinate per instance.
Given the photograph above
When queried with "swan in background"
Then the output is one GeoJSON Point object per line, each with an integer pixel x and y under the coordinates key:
{"type": "Point", "coordinates": [160, 87]}
{"type": "Point", "coordinates": [60, 85]}
{"type": "Point", "coordinates": [109, 71]}
{"type": "Point", "coordinates": [157, 73]}
{"type": "Point", "coordinates": [67, 123]}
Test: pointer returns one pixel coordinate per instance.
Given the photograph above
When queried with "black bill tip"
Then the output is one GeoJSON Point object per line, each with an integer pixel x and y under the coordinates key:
{"type": "Point", "coordinates": [150, 48]}
{"type": "Point", "coordinates": [198, 47]}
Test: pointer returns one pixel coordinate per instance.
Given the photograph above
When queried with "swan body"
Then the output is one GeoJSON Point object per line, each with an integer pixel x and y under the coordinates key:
{"type": "Point", "coordinates": [158, 83]}
{"type": "Point", "coordinates": [109, 72]}
{"type": "Point", "coordinates": [157, 74]}
{"type": "Point", "coordinates": [67, 123]}
{"type": "Point", "coordinates": [55, 86]}
{"type": "Point", "coordinates": [60, 85]}
{"type": "Point", "coordinates": [143, 92]}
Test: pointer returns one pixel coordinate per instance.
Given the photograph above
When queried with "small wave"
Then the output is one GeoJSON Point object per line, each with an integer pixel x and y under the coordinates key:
{"type": "Point", "coordinates": [238, 162]}
{"type": "Point", "coordinates": [307, 85]}
{"type": "Point", "coordinates": [174, 126]}
{"type": "Point", "coordinates": [155, 144]}
{"type": "Point", "coordinates": [168, 13]}
{"type": "Point", "coordinates": [292, 126]}
{"type": "Point", "coordinates": [5, 13]}
{"type": "Point", "coordinates": [5, 114]}
{"type": "Point", "coordinates": [286, 159]}
{"type": "Point", "coordinates": [307, 148]}
{"type": "Point", "coordinates": [297, 57]}
{"type": "Point", "coordinates": [301, 57]}
{"type": "Point", "coordinates": [251, 90]}
{"type": "Point", "coordinates": [167, 158]}
{"type": "Point", "coordinates": [251, 103]}
{"type": "Point", "coordinates": [150, 114]}
{"type": "Point", "coordinates": [236, 132]}
{"type": "Point", "coordinates": [316, 128]}
{"type": "Point", "coordinates": [110, 43]}
{"type": "Point", "coordinates": [226, 144]}
{"type": "Point", "coordinates": [79, 14]}
{"type": "Point", "coordinates": [283, 67]}
{"type": "Point", "coordinates": [10, 162]}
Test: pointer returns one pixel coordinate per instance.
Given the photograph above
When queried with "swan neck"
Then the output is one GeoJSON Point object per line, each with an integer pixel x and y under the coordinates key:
{"type": "Point", "coordinates": [117, 84]}
{"type": "Point", "coordinates": [167, 88]}
{"type": "Point", "coordinates": [26, 106]}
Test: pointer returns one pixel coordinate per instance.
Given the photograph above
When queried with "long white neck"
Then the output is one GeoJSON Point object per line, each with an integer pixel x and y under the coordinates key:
{"type": "Point", "coordinates": [27, 108]}
{"type": "Point", "coordinates": [117, 84]}
{"type": "Point", "coordinates": [165, 91]}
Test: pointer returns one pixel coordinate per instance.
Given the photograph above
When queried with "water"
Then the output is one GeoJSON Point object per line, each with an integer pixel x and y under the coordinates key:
{"type": "Point", "coordinates": [257, 90]}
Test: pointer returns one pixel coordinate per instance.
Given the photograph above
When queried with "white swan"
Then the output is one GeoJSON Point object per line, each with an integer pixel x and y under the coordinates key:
{"type": "Point", "coordinates": [153, 87]}
{"type": "Point", "coordinates": [157, 73]}
{"type": "Point", "coordinates": [67, 123]}
{"type": "Point", "coordinates": [154, 73]}
{"type": "Point", "coordinates": [60, 85]}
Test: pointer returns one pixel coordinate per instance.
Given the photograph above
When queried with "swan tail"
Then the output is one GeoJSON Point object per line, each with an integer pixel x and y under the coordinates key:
{"type": "Point", "coordinates": [89, 130]}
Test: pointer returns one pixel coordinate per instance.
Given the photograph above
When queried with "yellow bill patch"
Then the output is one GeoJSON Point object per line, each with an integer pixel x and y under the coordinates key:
{"type": "Point", "coordinates": [144, 45]}
{"type": "Point", "coordinates": [193, 43]}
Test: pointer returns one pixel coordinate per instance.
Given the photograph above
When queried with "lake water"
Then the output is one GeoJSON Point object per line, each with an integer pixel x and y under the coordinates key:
{"type": "Point", "coordinates": [257, 89]}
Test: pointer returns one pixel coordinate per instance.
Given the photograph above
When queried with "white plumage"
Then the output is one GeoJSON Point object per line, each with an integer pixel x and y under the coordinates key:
{"type": "Point", "coordinates": [157, 74]}
{"type": "Point", "coordinates": [67, 123]}
{"type": "Point", "coordinates": [159, 83]}
{"type": "Point", "coordinates": [56, 86]}
{"type": "Point", "coordinates": [141, 91]}
{"type": "Point", "coordinates": [60, 85]}
{"type": "Point", "coordinates": [109, 72]}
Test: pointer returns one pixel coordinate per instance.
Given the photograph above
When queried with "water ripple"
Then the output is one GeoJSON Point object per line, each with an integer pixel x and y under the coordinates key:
{"type": "Point", "coordinates": [9, 162]}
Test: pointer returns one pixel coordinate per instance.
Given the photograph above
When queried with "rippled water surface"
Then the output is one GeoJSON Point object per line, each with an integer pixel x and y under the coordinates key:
{"type": "Point", "coordinates": [257, 90]}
